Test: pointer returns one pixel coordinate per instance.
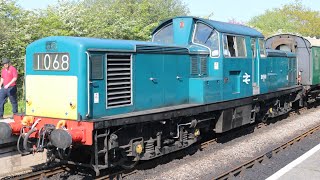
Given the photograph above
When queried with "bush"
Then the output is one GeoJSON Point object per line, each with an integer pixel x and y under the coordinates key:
{"type": "Point", "coordinates": [8, 108]}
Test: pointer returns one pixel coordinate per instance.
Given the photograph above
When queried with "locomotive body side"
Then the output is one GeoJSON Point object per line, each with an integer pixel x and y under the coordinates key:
{"type": "Point", "coordinates": [316, 60]}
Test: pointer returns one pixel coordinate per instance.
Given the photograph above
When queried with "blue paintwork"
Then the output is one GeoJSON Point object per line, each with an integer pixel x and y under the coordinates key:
{"type": "Point", "coordinates": [98, 86]}
{"type": "Point", "coordinates": [174, 84]}
{"type": "Point", "coordinates": [183, 30]}
{"type": "Point", "coordinates": [219, 26]}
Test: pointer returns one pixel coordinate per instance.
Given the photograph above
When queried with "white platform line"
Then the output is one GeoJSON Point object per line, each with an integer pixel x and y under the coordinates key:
{"type": "Point", "coordinates": [294, 163]}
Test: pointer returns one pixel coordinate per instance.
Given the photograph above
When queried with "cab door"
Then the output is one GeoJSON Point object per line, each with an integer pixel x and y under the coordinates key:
{"type": "Point", "coordinates": [255, 68]}
{"type": "Point", "coordinates": [97, 85]}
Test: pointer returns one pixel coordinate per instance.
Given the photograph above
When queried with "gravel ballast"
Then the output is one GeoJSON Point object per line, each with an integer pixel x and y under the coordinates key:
{"type": "Point", "coordinates": [221, 157]}
{"type": "Point", "coordinates": [267, 168]}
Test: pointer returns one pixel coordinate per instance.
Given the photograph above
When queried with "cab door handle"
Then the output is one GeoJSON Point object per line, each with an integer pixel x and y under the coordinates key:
{"type": "Point", "coordinates": [93, 83]}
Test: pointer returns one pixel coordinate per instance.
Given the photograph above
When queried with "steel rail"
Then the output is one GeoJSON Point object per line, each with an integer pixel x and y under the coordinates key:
{"type": "Point", "coordinates": [239, 170]}
{"type": "Point", "coordinates": [41, 174]}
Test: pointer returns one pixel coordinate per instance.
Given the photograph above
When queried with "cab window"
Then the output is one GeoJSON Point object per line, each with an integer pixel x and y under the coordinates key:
{"type": "Point", "coordinates": [96, 66]}
{"type": "Point", "coordinates": [164, 35]}
{"type": "Point", "coordinates": [207, 36]}
{"type": "Point", "coordinates": [234, 46]}
{"type": "Point", "coordinates": [262, 48]}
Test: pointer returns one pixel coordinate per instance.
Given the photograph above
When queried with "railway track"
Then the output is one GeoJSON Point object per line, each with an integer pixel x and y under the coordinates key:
{"type": "Point", "coordinates": [234, 172]}
{"type": "Point", "coordinates": [267, 155]}
{"type": "Point", "coordinates": [40, 174]}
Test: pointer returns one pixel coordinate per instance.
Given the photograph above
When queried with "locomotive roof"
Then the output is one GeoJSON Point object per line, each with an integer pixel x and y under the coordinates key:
{"type": "Point", "coordinates": [314, 42]}
{"type": "Point", "coordinates": [90, 43]}
{"type": "Point", "coordinates": [220, 26]}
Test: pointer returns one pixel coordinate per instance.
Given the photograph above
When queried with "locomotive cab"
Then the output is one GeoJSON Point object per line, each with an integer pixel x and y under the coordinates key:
{"type": "Point", "coordinates": [222, 57]}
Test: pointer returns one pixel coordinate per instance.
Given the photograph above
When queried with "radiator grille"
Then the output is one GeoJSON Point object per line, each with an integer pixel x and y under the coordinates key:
{"type": "Point", "coordinates": [203, 65]}
{"type": "Point", "coordinates": [194, 65]}
{"type": "Point", "coordinates": [119, 80]}
{"type": "Point", "coordinates": [198, 65]}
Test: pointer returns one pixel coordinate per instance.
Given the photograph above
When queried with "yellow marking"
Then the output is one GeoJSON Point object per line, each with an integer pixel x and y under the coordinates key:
{"type": "Point", "coordinates": [27, 120]}
{"type": "Point", "coordinates": [197, 133]}
{"type": "Point", "coordinates": [28, 103]}
{"type": "Point", "coordinates": [61, 123]}
{"type": "Point", "coordinates": [72, 106]}
{"type": "Point", "coordinates": [139, 149]}
{"type": "Point", "coordinates": [51, 96]}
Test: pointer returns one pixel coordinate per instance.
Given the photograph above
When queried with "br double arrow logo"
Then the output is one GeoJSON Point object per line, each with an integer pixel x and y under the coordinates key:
{"type": "Point", "coordinates": [246, 78]}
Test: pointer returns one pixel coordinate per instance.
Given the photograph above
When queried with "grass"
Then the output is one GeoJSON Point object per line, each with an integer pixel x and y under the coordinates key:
{"type": "Point", "coordinates": [8, 107]}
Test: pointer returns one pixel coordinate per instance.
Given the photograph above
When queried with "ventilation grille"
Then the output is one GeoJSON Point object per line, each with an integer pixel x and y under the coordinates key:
{"type": "Point", "coordinates": [194, 65]}
{"type": "Point", "coordinates": [161, 49]}
{"type": "Point", "coordinates": [119, 80]}
{"type": "Point", "coordinates": [203, 65]}
{"type": "Point", "coordinates": [198, 65]}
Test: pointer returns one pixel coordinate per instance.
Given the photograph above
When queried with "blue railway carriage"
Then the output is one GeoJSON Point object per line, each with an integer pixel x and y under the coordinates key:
{"type": "Point", "coordinates": [114, 102]}
{"type": "Point", "coordinates": [308, 58]}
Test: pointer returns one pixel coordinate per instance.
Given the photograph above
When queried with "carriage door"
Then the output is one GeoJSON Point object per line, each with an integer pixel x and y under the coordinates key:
{"type": "Point", "coordinates": [97, 85]}
{"type": "Point", "coordinates": [255, 68]}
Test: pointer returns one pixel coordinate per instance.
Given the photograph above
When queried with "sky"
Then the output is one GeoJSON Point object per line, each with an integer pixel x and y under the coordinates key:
{"type": "Point", "coordinates": [222, 10]}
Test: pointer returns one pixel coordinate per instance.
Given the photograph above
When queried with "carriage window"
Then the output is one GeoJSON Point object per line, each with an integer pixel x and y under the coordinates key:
{"type": "Point", "coordinates": [164, 35]}
{"type": "Point", "coordinates": [96, 66]}
{"type": "Point", "coordinates": [262, 48]}
{"type": "Point", "coordinates": [207, 36]}
{"type": "Point", "coordinates": [234, 46]}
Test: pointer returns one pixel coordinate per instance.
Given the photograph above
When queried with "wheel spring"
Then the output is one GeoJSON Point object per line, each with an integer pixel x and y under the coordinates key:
{"type": "Point", "coordinates": [150, 147]}
{"type": "Point", "coordinates": [185, 137]}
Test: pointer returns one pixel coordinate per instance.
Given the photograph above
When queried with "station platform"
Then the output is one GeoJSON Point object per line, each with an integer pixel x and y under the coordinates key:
{"type": "Point", "coordinates": [306, 166]}
{"type": "Point", "coordinates": [11, 161]}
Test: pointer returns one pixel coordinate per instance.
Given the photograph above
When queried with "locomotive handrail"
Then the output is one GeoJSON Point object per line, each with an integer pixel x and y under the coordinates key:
{"type": "Point", "coordinates": [88, 78]}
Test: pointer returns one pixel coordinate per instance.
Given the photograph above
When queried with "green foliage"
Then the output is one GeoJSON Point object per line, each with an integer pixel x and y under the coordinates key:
{"type": "Point", "coordinates": [13, 41]}
{"type": "Point", "coordinates": [8, 108]}
{"type": "Point", "coordinates": [290, 18]}
{"type": "Point", "coordinates": [116, 19]}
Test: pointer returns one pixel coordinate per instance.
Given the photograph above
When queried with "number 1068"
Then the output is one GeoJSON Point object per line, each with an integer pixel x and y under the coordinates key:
{"type": "Point", "coordinates": [51, 61]}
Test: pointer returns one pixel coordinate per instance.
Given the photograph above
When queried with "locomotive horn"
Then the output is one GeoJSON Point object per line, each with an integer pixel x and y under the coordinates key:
{"type": "Point", "coordinates": [61, 138]}
{"type": "Point", "coordinates": [5, 130]}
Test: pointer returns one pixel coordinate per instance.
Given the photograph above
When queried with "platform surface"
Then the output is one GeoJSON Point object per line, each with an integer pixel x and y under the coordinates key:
{"type": "Point", "coordinates": [306, 166]}
{"type": "Point", "coordinates": [11, 161]}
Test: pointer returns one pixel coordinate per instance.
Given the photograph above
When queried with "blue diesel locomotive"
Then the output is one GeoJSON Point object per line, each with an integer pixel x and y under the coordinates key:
{"type": "Point", "coordinates": [102, 103]}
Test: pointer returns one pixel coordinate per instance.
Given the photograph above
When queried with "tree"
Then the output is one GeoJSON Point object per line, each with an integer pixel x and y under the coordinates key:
{"type": "Point", "coordinates": [290, 18]}
{"type": "Point", "coordinates": [13, 37]}
{"type": "Point", "coordinates": [116, 19]}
